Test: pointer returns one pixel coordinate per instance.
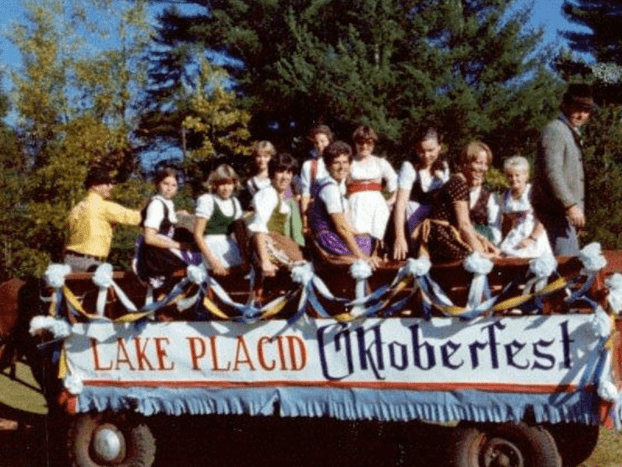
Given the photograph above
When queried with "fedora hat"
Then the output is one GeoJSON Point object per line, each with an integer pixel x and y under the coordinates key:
{"type": "Point", "coordinates": [579, 96]}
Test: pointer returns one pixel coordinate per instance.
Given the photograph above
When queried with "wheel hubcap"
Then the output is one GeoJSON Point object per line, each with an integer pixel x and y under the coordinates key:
{"type": "Point", "coordinates": [502, 453]}
{"type": "Point", "coordinates": [108, 444]}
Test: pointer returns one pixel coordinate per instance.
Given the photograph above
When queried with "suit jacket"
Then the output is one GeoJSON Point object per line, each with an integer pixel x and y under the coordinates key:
{"type": "Point", "coordinates": [559, 179]}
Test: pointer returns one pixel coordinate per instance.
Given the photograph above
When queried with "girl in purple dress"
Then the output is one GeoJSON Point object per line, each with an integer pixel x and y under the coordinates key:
{"type": "Point", "coordinates": [328, 216]}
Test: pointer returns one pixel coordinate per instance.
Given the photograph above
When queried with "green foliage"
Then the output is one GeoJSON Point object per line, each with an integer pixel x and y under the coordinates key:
{"type": "Point", "coordinates": [469, 67]}
{"type": "Point", "coordinates": [76, 100]}
{"type": "Point", "coordinates": [603, 172]}
{"type": "Point", "coordinates": [214, 123]}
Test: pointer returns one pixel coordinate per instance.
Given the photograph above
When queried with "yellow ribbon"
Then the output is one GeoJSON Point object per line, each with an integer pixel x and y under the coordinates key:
{"type": "Point", "coordinates": [62, 363]}
{"type": "Point", "coordinates": [213, 308]}
{"type": "Point", "coordinates": [74, 302]}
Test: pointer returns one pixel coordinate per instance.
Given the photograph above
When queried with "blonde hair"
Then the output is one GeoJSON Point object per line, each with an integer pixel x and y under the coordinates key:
{"type": "Point", "coordinates": [516, 162]}
{"type": "Point", "coordinates": [223, 173]}
{"type": "Point", "coordinates": [266, 146]}
{"type": "Point", "coordinates": [472, 150]}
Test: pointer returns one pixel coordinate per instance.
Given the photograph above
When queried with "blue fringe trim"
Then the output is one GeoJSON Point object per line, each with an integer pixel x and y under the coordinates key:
{"type": "Point", "coordinates": [348, 404]}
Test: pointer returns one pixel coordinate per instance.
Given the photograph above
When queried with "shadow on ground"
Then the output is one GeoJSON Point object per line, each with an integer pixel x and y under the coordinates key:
{"type": "Point", "coordinates": [249, 441]}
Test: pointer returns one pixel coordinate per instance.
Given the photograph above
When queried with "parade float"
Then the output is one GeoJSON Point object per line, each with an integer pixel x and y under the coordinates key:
{"type": "Point", "coordinates": [521, 357]}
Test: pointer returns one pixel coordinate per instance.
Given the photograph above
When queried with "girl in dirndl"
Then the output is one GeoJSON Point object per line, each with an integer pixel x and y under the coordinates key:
{"type": "Point", "coordinates": [276, 225]}
{"type": "Point", "coordinates": [526, 237]}
{"type": "Point", "coordinates": [163, 249]}
{"type": "Point", "coordinates": [449, 233]}
{"type": "Point", "coordinates": [417, 182]}
{"type": "Point", "coordinates": [263, 151]}
{"type": "Point", "coordinates": [370, 210]}
{"type": "Point", "coordinates": [215, 218]}
{"type": "Point", "coordinates": [329, 213]}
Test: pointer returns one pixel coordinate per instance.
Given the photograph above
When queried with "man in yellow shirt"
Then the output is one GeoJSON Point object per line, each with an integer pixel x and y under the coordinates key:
{"type": "Point", "coordinates": [91, 222]}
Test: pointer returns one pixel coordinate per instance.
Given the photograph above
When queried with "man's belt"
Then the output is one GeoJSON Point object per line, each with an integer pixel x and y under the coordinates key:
{"type": "Point", "coordinates": [83, 255]}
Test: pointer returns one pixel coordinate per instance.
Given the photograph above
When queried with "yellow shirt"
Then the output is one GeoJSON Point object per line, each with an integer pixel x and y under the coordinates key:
{"type": "Point", "coordinates": [91, 222]}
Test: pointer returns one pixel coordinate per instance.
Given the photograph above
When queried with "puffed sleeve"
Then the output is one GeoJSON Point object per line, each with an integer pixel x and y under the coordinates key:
{"type": "Point", "coordinates": [305, 178]}
{"type": "Point", "coordinates": [389, 175]}
{"type": "Point", "coordinates": [154, 215]}
{"type": "Point", "coordinates": [457, 189]}
{"type": "Point", "coordinates": [406, 177]}
{"type": "Point", "coordinates": [205, 206]}
{"type": "Point", "coordinates": [331, 197]}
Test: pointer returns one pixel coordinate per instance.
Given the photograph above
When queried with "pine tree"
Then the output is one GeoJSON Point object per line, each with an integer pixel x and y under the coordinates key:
{"type": "Point", "coordinates": [391, 64]}
{"type": "Point", "coordinates": [604, 19]}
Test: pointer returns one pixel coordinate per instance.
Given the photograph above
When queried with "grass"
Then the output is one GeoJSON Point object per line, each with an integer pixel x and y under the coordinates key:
{"type": "Point", "coordinates": [608, 452]}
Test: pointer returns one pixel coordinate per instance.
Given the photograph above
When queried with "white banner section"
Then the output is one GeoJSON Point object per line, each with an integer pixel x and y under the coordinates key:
{"type": "Point", "coordinates": [533, 354]}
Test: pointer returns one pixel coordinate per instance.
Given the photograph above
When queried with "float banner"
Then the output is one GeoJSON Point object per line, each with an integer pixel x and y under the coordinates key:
{"type": "Point", "coordinates": [377, 368]}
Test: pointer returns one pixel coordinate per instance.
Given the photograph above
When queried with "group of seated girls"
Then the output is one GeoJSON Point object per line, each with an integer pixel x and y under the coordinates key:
{"type": "Point", "coordinates": [343, 201]}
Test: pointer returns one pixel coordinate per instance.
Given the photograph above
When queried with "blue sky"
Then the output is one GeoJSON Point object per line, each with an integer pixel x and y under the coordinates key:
{"type": "Point", "coordinates": [546, 13]}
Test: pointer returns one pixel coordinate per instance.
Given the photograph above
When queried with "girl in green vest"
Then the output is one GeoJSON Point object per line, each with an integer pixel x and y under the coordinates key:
{"type": "Point", "coordinates": [276, 225]}
{"type": "Point", "coordinates": [216, 213]}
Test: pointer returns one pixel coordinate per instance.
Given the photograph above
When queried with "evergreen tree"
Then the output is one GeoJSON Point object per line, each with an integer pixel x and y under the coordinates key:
{"type": "Point", "coordinates": [391, 64]}
{"type": "Point", "coordinates": [604, 19]}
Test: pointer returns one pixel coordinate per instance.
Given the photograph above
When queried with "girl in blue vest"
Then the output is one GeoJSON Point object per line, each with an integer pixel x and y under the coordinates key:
{"type": "Point", "coordinates": [215, 215]}
{"type": "Point", "coordinates": [416, 183]}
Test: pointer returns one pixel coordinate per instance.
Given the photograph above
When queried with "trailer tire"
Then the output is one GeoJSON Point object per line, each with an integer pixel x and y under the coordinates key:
{"type": "Point", "coordinates": [576, 442]}
{"type": "Point", "coordinates": [507, 444]}
{"type": "Point", "coordinates": [109, 439]}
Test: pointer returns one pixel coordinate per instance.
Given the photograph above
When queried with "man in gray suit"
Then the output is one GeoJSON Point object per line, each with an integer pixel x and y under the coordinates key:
{"type": "Point", "coordinates": [559, 189]}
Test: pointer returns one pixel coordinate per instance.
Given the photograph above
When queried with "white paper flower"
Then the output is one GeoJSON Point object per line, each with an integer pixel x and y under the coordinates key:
{"type": "Point", "coordinates": [74, 384]}
{"type": "Point", "coordinates": [303, 273]}
{"type": "Point", "coordinates": [196, 274]}
{"type": "Point", "coordinates": [477, 263]}
{"type": "Point", "coordinates": [601, 323]}
{"type": "Point", "coordinates": [418, 267]}
{"type": "Point", "coordinates": [608, 391]}
{"type": "Point", "coordinates": [614, 284]}
{"type": "Point", "coordinates": [59, 328]}
{"type": "Point", "coordinates": [360, 269]}
{"type": "Point", "coordinates": [103, 276]}
{"type": "Point", "coordinates": [592, 257]}
{"type": "Point", "coordinates": [55, 275]}
{"type": "Point", "coordinates": [543, 266]}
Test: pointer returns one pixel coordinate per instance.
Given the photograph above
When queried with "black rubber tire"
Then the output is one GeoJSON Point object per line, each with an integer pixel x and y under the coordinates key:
{"type": "Point", "coordinates": [507, 444]}
{"type": "Point", "coordinates": [576, 442]}
{"type": "Point", "coordinates": [138, 447]}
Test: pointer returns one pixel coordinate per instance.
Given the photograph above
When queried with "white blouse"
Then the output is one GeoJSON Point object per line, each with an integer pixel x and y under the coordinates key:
{"type": "Point", "coordinates": [205, 206]}
{"type": "Point", "coordinates": [155, 212]}
{"type": "Point", "coordinates": [408, 175]}
{"type": "Point", "coordinates": [305, 175]}
{"type": "Point", "coordinates": [265, 202]}
{"type": "Point", "coordinates": [255, 184]}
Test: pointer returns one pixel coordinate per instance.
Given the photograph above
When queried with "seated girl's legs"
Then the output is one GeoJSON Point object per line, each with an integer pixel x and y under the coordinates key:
{"type": "Point", "coordinates": [158, 263]}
